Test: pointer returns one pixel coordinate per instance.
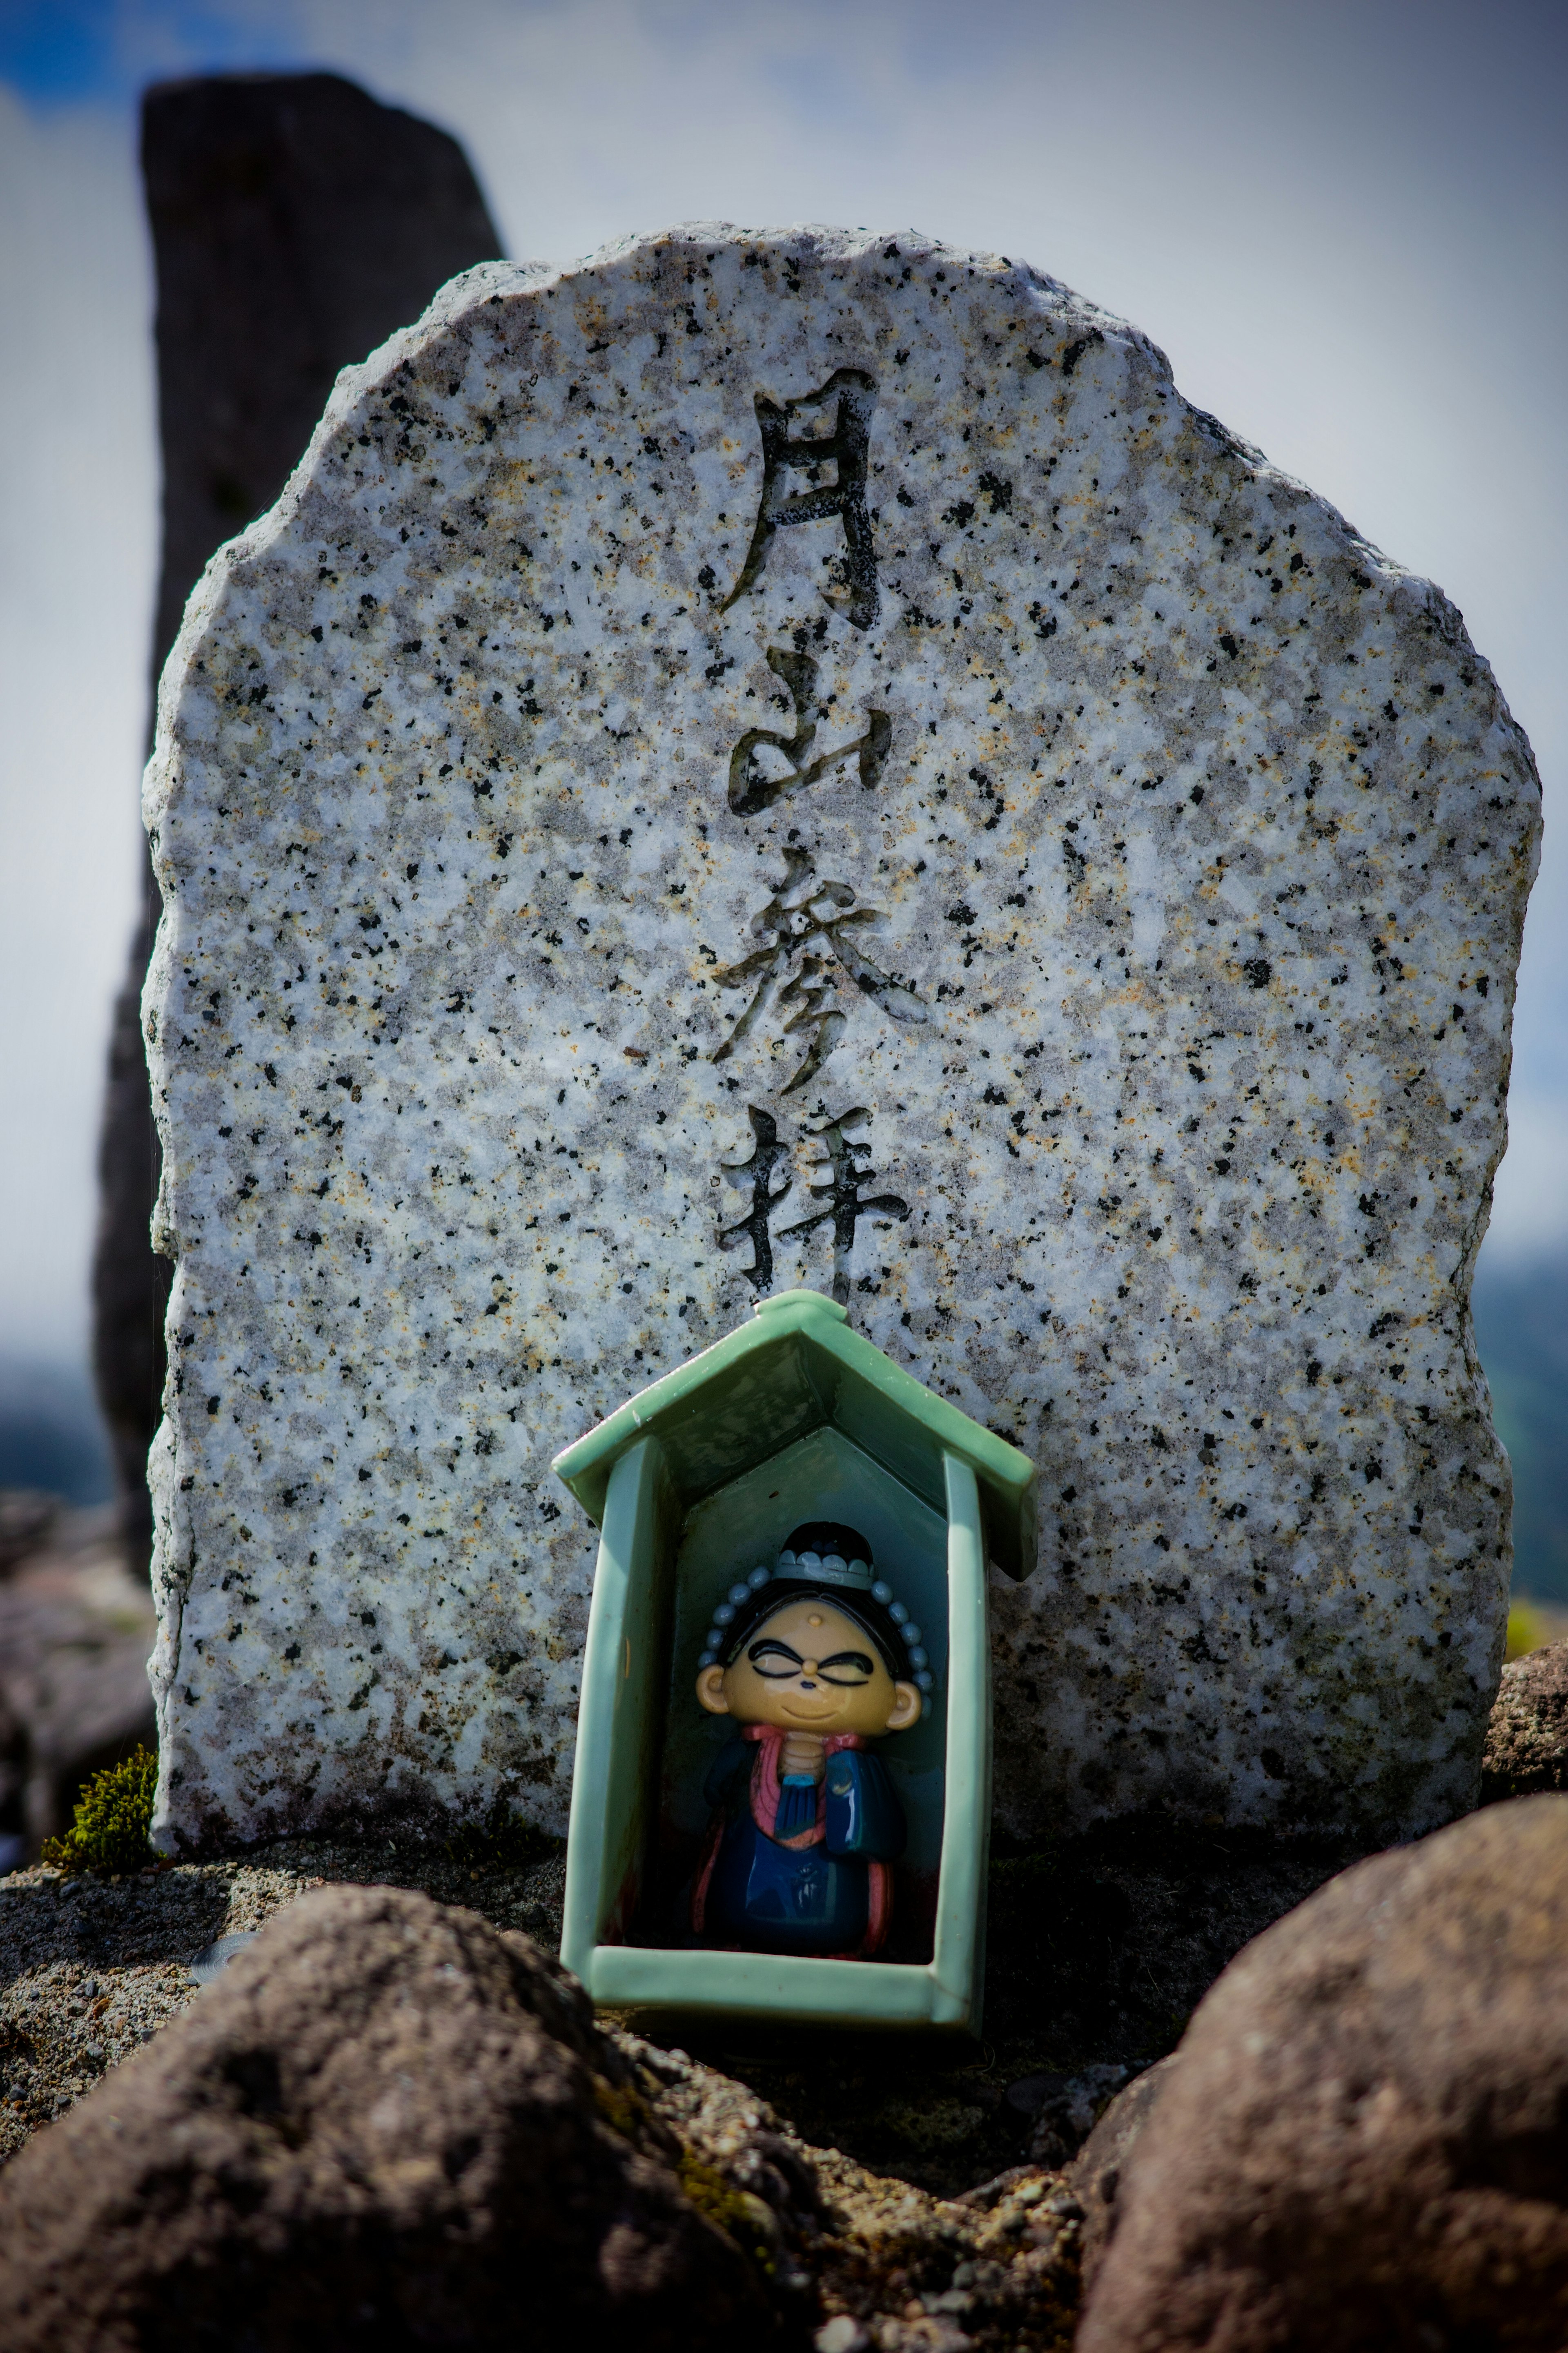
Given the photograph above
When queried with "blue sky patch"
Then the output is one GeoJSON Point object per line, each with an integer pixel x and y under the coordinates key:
{"type": "Point", "coordinates": [66, 52]}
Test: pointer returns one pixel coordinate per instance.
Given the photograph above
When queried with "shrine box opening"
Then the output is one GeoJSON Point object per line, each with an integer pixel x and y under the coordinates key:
{"type": "Point", "coordinates": [703, 1476]}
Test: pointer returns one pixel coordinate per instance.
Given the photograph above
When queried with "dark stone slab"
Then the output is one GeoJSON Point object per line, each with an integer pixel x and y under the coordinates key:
{"type": "Point", "coordinates": [295, 224]}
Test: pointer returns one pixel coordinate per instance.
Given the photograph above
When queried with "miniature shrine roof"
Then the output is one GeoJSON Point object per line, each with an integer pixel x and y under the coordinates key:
{"type": "Point", "coordinates": [796, 1367]}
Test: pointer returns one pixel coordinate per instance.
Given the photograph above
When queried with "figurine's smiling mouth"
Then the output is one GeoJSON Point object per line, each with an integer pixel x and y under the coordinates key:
{"type": "Point", "coordinates": [808, 1714]}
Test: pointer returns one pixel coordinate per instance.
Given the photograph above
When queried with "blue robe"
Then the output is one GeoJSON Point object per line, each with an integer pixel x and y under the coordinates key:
{"type": "Point", "coordinates": [767, 1897]}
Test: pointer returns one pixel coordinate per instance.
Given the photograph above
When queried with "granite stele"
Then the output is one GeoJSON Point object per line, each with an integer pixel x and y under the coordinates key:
{"type": "Point", "coordinates": [799, 760]}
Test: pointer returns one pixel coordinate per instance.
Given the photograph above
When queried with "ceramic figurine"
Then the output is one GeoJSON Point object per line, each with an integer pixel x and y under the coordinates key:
{"type": "Point", "coordinates": [814, 1658]}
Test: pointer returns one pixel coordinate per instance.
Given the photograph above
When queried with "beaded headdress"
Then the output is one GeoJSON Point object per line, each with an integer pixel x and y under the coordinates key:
{"type": "Point", "coordinates": [818, 1568]}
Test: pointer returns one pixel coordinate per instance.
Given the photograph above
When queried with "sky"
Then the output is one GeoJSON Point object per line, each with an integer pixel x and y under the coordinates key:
{"type": "Point", "coordinates": [1346, 224]}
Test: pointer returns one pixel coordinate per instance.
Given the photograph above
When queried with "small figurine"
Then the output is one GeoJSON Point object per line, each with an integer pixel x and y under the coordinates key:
{"type": "Point", "coordinates": [813, 1660]}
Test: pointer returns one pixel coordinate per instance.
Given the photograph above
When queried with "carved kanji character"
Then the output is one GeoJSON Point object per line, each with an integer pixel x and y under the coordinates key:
{"type": "Point", "coordinates": [811, 923]}
{"type": "Point", "coordinates": [751, 790]}
{"type": "Point", "coordinates": [845, 450]}
{"type": "Point", "coordinates": [766, 1150]}
{"type": "Point", "coordinates": [847, 1170]}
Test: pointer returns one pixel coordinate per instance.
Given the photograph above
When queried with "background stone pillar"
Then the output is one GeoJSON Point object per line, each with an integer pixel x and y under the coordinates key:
{"type": "Point", "coordinates": [295, 224]}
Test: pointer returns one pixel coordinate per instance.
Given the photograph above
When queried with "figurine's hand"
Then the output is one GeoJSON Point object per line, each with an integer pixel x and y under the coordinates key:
{"type": "Point", "coordinates": [803, 1754]}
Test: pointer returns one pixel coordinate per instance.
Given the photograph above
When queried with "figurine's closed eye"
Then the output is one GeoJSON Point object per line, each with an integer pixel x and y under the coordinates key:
{"type": "Point", "coordinates": [760, 1653]}
{"type": "Point", "coordinates": [855, 1668]}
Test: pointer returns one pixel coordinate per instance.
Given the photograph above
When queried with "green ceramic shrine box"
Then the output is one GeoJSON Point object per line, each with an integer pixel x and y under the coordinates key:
{"type": "Point", "coordinates": [794, 1418]}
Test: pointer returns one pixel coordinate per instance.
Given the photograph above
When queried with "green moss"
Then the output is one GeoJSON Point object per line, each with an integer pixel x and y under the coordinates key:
{"type": "Point", "coordinates": [112, 1817]}
{"type": "Point", "coordinates": [733, 2209]}
{"type": "Point", "coordinates": [739, 2215]}
{"type": "Point", "coordinates": [501, 1839]}
{"type": "Point", "coordinates": [620, 2106]}
{"type": "Point", "coordinates": [1524, 1633]}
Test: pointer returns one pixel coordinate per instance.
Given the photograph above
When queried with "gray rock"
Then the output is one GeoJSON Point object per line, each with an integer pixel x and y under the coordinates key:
{"type": "Point", "coordinates": [210, 1963]}
{"type": "Point", "coordinates": [888, 2264]}
{"type": "Point", "coordinates": [108, 1959]}
{"type": "Point", "coordinates": [1053, 884]}
{"type": "Point", "coordinates": [1064, 2107]}
{"type": "Point", "coordinates": [105, 1962]}
{"type": "Point", "coordinates": [385, 2125]}
{"type": "Point", "coordinates": [295, 223]}
{"type": "Point", "coordinates": [1061, 1992]}
{"type": "Point", "coordinates": [75, 1631]}
{"type": "Point", "coordinates": [27, 1519]}
{"type": "Point", "coordinates": [1359, 2144]}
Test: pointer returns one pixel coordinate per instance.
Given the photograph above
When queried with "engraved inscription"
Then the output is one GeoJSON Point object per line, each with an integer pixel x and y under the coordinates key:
{"type": "Point", "coordinates": [841, 455]}
{"type": "Point", "coordinates": [807, 930]}
{"type": "Point", "coordinates": [765, 765]}
{"type": "Point", "coordinates": [757, 1174]}
{"type": "Point", "coordinates": [810, 932]}
{"type": "Point", "coordinates": [847, 1169]}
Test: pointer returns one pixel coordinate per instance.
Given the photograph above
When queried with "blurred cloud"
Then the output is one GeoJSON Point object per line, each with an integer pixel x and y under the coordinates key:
{"type": "Point", "coordinates": [1345, 224]}
{"type": "Point", "coordinates": [77, 548]}
{"type": "Point", "coordinates": [1530, 1215]}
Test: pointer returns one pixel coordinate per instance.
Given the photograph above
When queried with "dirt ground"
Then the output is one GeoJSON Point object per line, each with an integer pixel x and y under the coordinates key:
{"type": "Point", "coordinates": [1098, 1950]}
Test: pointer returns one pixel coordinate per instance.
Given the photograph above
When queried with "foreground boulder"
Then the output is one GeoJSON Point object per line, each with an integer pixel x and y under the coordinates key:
{"type": "Point", "coordinates": [1362, 2142]}
{"type": "Point", "coordinates": [1527, 1738]}
{"type": "Point", "coordinates": [388, 2125]}
{"type": "Point", "coordinates": [1095, 2175]}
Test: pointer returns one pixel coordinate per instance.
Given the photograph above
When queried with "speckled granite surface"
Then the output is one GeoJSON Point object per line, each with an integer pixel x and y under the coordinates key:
{"type": "Point", "coordinates": [1022, 864]}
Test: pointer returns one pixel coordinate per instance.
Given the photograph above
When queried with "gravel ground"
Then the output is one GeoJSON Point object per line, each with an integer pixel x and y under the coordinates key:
{"type": "Point", "coordinates": [1097, 1951]}
{"type": "Point", "coordinates": [876, 2262]}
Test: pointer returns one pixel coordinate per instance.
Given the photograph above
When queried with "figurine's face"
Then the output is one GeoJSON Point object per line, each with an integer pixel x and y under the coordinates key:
{"type": "Point", "coordinates": [809, 1668]}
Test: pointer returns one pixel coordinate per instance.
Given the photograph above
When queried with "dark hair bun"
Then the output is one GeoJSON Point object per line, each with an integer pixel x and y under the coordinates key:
{"type": "Point", "coordinates": [823, 1536]}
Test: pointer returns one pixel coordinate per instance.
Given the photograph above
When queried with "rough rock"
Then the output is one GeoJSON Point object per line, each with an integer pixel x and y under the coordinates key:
{"type": "Point", "coordinates": [92, 1968]}
{"type": "Point", "coordinates": [830, 2238]}
{"type": "Point", "coordinates": [27, 1518]}
{"type": "Point", "coordinates": [515, 1020]}
{"type": "Point", "coordinates": [1094, 2176]}
{"type": "Point", "coordinates": [1360, 2143]}
{"type": "Point", "coordinates": [1098, 1950]}
{"type": "Point", "coordinates": [1064, 2107]}
{"type": "Point", "coordinates": [383, 2125]}
{"type": "Point", "coordinates": [880, 2262]}
{"type": "Point", "coordinates": [295, 223]}
{"type": "Point", "coordinates": [1527, 1737]}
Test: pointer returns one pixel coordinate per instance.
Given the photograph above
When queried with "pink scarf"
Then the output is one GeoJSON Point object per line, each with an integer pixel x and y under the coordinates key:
{"type": "Point", "coordinates": [766, 1782]}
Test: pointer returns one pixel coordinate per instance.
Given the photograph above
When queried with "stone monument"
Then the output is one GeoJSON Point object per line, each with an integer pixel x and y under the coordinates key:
{"type": "Point", "coordinates": [800, 759]}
